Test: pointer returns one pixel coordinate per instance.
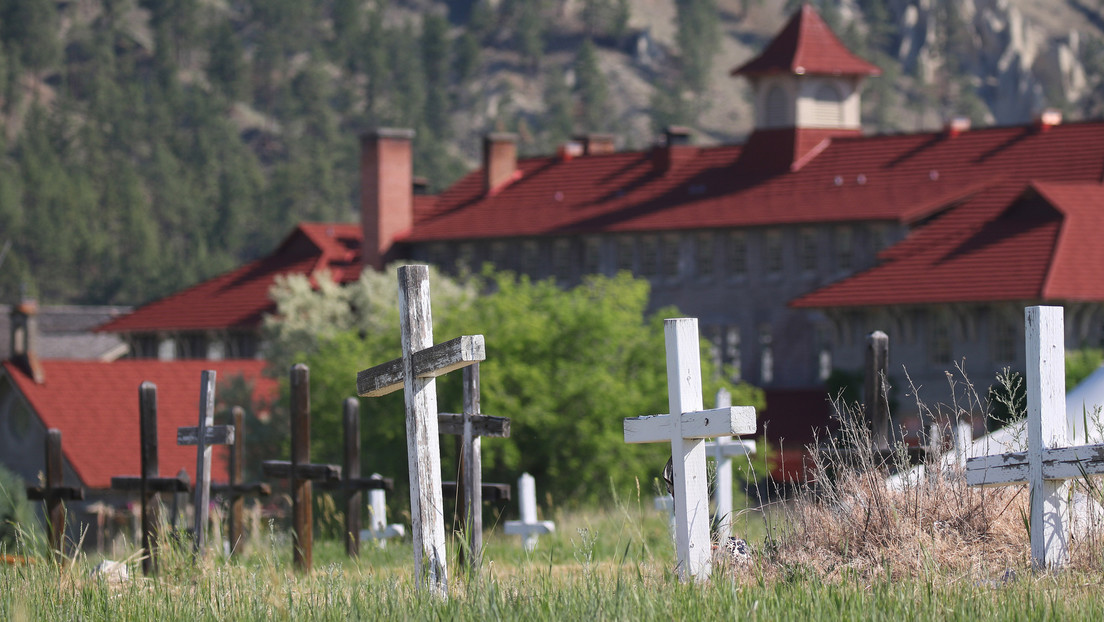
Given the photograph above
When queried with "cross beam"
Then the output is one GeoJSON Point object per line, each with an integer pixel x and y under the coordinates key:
{"type": "Point", "coordinates": [1048, 461]}
{"type": "Point", "coordinates": [204, 436]}
{"type": "Point", "coordinates": [685, 427]}
{"type": "Point", "coordinates": [421, 363]}
{"type": "Point", "coordinates": [54, 492]}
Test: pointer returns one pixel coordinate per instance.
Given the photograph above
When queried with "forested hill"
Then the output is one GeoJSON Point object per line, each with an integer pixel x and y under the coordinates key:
{"type": "Point", "coordinates": [149, 144]}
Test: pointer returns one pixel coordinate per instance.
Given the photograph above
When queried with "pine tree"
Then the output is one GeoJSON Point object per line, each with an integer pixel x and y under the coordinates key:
{"type": "Point", "coordinates": [699, 39]}
{"type": "Point", "coordinates": [590, 85]}
{"type": "Point", "coordinates": [436, 56]}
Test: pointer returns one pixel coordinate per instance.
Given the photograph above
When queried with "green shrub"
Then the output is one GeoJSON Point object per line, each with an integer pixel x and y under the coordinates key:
{"type": "Point", "coordinates": [15, 511]}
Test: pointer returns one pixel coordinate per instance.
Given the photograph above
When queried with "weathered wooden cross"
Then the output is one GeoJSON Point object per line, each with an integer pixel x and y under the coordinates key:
{"type": "Point", "coordinates": [685, 428]}
{"type": "Point", "coordinates": [470, 426]}
{"type": "Point", "coordinates": [415, 373]}
{"type": "Point", "coordinates": [149, 483]}
{"type": "Point", "coordinates": [54, 493]}
{"type": "Point", "coordinates": [299, 470]}
{"type": "Point", "coordinates": [528, 527]}
{"type": "Point", "coordinates": [1048, 461]}
{"type": "Point", "coordinates": [235, 489]}
{"type": "Point", "coordinates": [351, 482]}
{"type": "Point", "coordinates": [204, 436]}
{"type": "Point", "coordinates": [722, 450]}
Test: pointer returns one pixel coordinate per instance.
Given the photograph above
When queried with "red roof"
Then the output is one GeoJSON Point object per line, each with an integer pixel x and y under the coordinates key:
{"type": "Point", "coordinates": [239, 298]}
{"type": "Point", "coordinates": [807, 46]}
{"type": "Point", "coordinates": [1037, 241]}
{"type": "Point", "coordinates": [95, 405]}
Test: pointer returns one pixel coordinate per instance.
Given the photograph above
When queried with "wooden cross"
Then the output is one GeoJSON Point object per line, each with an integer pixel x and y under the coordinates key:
{"type": "Point", "coordinates": [685, 428]}
{"type": "Point", "coordinates": [235, 490]}
{"type": "Point", "coordinates": [1048, 461]}
{"type": "Point", "coordinates": [875, 396]}
{"type": "Point", "coordinates": [415, 373]}
{"type": "Point", "coordinates": [149, 483]}
{"type": "Point", "coordinates": [204, 436]}
{"type": "Point", "coordinates": [469, 427]}
{"type": "Point", "coordinates": [378, 529]}
{"type": "Point", "coordinates": [299, 470]}
{"type": "Point", "coordinates": [54, 493]}
{"type": "Point", "coordinates": [722, 450]}
{"type": "Point", "coordinates": [351, 481]}
{"type": "Point", "coordinates": [528, 527]}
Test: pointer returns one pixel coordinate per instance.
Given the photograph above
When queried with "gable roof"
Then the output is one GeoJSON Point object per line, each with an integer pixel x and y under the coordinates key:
{"type": "Point", "coordinates": [95, 405]}
{"type": "Point", "coordinates": [66, 331]}
{"type": "Point", "coordinates": [806, 45]}
{"type": "Point", "coordinates": [239, 298]}
{"type": "Point", "coordinates": [1034, 242]}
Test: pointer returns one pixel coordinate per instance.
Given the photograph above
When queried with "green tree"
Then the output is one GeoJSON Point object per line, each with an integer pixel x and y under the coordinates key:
{"type": "Point", "coordinates": [699, 38]}
{"type": "Point", "coordinates": [591, 88]}
{"type": "Point", "coordinates": [226, 67]}
{"type": "Point", "coordinates": [29, 29]}
{"type": "Point", "coordinates": [436, 57]}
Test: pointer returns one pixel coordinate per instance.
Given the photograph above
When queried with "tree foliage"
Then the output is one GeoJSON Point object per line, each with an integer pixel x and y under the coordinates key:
{"type": "Point", "coordinates": [565, 366]}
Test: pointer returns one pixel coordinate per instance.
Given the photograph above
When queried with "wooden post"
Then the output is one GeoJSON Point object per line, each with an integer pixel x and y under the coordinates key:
{"type": "Point", "coordinates": [722, 450]}
{"type": "Point", "coordinates": [352, 470]}
{"type": "Point", "coordinates": [149, 483]}
{"type": "Point", "coordinates": [54, 493]}
{"type": "Point", "coordinates": [204, 436]}
{"type": "Point", "coordinates": [235, 490]}
{"type": "Point", "coordinates": [1048, 462]}
{"type": "Point", "coordinates": [875, 398]}
{"type": "Point", "coordinates": [685, 427]}
{"type": "Point", "coordinates": [528, 527]}
{"type": "Point", "coordinates": [415, 373]}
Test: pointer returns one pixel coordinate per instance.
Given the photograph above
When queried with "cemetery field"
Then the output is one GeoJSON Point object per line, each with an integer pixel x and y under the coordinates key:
{"type": "Point", "coordinates": [613, 564]}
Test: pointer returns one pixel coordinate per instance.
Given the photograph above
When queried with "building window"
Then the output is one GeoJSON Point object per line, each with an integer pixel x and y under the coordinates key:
{"type": "Point", "coordinates": [241, 345]}
{"type": "Point", "coordinates": [772, 260]}
{"type": "Point", "coordinates": [144, 346]}
{"type": "Point", "coordinates": [778, 107]}
{"type": "Point", "coordinates": [940, 344]}
{"type": "Point", "coordinates": [736, 254]}
{"type": "Point", "coordinates": [649, 255]}
{"type": "Point", "coordinates": [879, 236]}
{"type": "Point", "coordinates": [824, 354]}
{"type": "Point", "coordinates": [703, 255]}
{"type": "Point", "coordinates": [827, 109]}
{"type": "Point", "coordinates": [1004, 340]}
{"type": "Point", "coordinates": [810, 251]}
{"type": "Point", "coordinates": [671, 256]}
{"type": "Point", "coordinates": [499, 252]}
{"type": "Point", "coordinates": [845, 250]}
{"type": "Point", "coordinates": [465, 258]}
{"type": "Point", "coordinates": [561, 259]}
{"type": "Point", "coordinates": [530, 257]}
{"type": "Point", "coordinates": [437, 255]}
{"type": "Point", "coordinates": [592, 255]}
{"type": "Point", "coordinates": [732, 352]}
{"type": "Point", "coordinates": [624, 253]}
{"type": "Point", "coordinates": [766, 355]}
{"type": "Point", "coordinates": [191, 346]}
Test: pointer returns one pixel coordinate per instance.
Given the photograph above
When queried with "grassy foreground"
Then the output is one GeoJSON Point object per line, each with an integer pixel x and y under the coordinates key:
{"type": "Point", "coordinates": [599, 565]}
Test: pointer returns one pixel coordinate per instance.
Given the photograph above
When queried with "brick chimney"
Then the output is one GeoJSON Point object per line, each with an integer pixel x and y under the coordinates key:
{"type": "Point", "coordinates": [675, 148]}
{"type": "Point", "coordinates": [499, 160]}
{"type": "Point", "coordinates": [386, 192]}
{"type": "Point", "coordinates": [596, 144]}
{"type": "Point", "coordinates": [24, 334]}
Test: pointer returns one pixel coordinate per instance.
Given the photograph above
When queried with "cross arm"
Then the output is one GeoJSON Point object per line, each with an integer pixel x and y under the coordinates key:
{"type": "Point", "coordinates": [64, 493]}
{"type": "Point", "coordinates": [733, 420]}
{"type": "Point", "coordinates": [1058, 463]}
{"type": "Point", "coordinates": [490, 492]}
{"type": "Point", "coordinates": [238, 490]}
{"type": "Point", "coordinates": [282, 469]}
{"type": "Point", "coordinates": [730, 449]}
{"type": "Point", "coordinates": [360, 483]}
{"type": "Point", "coordinates": [482, 425]}
{"type": "Point", "coordinates": [215, 435]}
{"type": "Point", "coordinates": [153, 484]}
{"type": "Point", "coordinates": [429, 363]}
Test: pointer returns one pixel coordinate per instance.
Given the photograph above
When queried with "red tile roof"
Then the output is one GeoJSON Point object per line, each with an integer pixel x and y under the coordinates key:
{"type": "Point", "coordinates": [806, 45]}
{"type": "Point", "coordinates": [239, 298]}
{"type": "Point", "coordinates": [1036, 241]}
{"type": "Point", "coordinates": [95, 405]}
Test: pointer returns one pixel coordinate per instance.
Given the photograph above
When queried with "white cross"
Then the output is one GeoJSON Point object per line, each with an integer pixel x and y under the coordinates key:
{"type": "Point", "coordinates": [1048, 462]}
{"type": "Point", "coordinates": [416, 374]}
{"type": "Point", "coordinates": [722, 451]}
{"type": "Point", "coordinates": [528, 527]}
{"type": "Point", "coordinates": [685, 428]}
{"type": "Point", "coordinates": [378, 529]}
{"type": "Point", "coordinates": [204, 436]}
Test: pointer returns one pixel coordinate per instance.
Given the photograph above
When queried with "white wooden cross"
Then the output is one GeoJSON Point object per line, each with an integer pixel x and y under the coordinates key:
{"type": "Point", "coordinates": [204, 436]}
{"type": "Point", "coordinates": [1048, 461]}
{"type": "Point", "coordinates": [685, 427]}
{"type": "Point", "coordinates": [416, 374]}
{"type": "Point", "coordinates": [722, 450]}
{"type": "Point", "coordinates": [378, 529]}
{"type": "Point", "coordinates": [528, 527]}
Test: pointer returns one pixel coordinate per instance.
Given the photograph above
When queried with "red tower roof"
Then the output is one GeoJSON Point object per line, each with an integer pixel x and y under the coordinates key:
{"type": "Point", "coordinates": [807, 46]}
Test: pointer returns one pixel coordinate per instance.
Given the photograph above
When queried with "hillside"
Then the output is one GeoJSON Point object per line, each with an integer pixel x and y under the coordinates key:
{"type": "Point", "coordinates": [148, 144]}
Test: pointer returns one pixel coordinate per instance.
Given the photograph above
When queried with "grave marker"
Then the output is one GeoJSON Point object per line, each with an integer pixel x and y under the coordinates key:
{"type": "Point", "coordinates": [54, 493]}
{"type": "Point", "coordinates": [875, 396]}
{"type": "Point", "coordinates": [722, 450]}
{"type": "Point", "coordinates": [299, 470]}
{"type": "Point", "coordinates": [378, 529]}
{"type": "Point", "coordinates": [204, 436]}
{"type": "Point", "coordinates": [528, 527]}
{"type": "Point", "coordinates": [415, 373]}
{"type": "Point", "coordinates": [470, 426]}
{"type": "Point", "coordinates": [235, 490]}
{"type": "Point", "coordinates": [1048, 462]}
{"type": "Point", "coordinates": [350, 481]}
{"type": "Point", "coordinates": [685, 428]}
{"type": "Point", "coordinates": [149, 483]}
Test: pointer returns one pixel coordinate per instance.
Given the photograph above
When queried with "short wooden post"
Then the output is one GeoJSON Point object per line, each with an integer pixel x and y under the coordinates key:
{"type": "Point", "coordinates": [685, 427]}
{"type": "Point", "coordinates": [204, 436]}
{"type": "Point", "coordinates": [528, 527]}
{"type": "Point", "coordinates": [54, 493]}
{"type": "Point", "coordinates": [149, 483]}
{"type": "Point", "coordinates": [875, 398]}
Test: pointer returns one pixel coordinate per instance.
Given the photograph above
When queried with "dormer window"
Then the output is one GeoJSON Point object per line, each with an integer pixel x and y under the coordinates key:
{"type": "Point", "coordinates": [827, 106]}
{"type": "Point", "coordinates": [778, 107]}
